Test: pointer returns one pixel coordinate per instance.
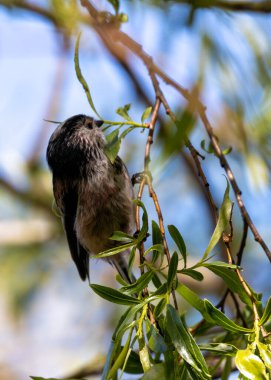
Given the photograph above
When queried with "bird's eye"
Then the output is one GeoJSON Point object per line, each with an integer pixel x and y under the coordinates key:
{"type": "Point", "coordinates": [89, 124]}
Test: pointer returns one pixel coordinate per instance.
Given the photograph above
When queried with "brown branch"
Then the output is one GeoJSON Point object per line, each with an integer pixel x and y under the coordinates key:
{"type": "Point", "coordinates": [242, 244]}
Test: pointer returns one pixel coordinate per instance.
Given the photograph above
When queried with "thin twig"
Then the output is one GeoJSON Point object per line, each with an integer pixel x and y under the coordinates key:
{"type": "Point", "coordinates": [242, 244]}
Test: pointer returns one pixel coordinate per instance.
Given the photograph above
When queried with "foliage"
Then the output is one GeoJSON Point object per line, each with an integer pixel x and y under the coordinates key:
{"type": "Point", "coordinates": [154, 337]}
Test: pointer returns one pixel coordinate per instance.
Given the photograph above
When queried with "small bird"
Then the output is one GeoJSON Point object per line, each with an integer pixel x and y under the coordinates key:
{"type": "Point", "coordinates": [93, 195]}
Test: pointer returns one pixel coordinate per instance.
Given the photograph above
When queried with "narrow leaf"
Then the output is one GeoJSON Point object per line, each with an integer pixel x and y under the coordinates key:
{"type": "Point", "coordinates": [222, 320]}
{"type": "Point", "coordinates": [155, 248]}
{"type": "Point", "coordinates": [192, 273]}
{"type": "Point", "coordinates": [113, 295]}
{"type": "Point", "coordinates": [267, 313]}
{"type": "Point", "coordinates": [121, 236]}
{"type": "Point", "coordinates": [178, 239]}
{"type": "Point", "coordinates": [80, 76]}
{"type": "Point", "coordinates": [123, 112]}
{"type": "Point", "coordinates": [156, 239]}
{"type": "Point", "coordinates": [113, 251]}
{"type": "Point", "coordinates": [185, 343]}
{"type": "Point", "coordinates": [139, 285]}
{"type": "Point", "coordinates": [231, 279]}
{"type": "Point", "coordinates": [223, 220]}
{"type": "Point", "coordinates": [191, 297]}
{"type": "Point", "coordinates": [146, 114]}
{"type": "Point", "coordinates": [224, 349]}
{"type": "Point", "coordinates": [172, 270]}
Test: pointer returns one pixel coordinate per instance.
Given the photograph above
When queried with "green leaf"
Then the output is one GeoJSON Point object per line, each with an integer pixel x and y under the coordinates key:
{"type": "Point", "coordinates": [112, 147]}
{"type": "Point", "coordinates": [222, 320]}
{"type": "Point", "coordinates": [222, 223]}
{"type": "Point", "coordinates": [131, 260]}
{"type": "Point", "coordinates": [123, 112]}
{"type": "Point", "coordinates": [159, 307]}
{"type": "Point", "coordinates": [220, 264]}
{"type": "Point", "coordinates": [109, 358]}
{"type": "Point", "coordinates": [185, 344]}
{"type": "Point", "coordinates": [178, 239]}
{"type": "Point", "coordinates": [113, 295]}
{"type": "Point", "coordinates": [267, 313]}
{"type": "Point", "coordinates": [227, 369]}
{"type": "Point", "coordinates": [192, 298]}
{"type": "Point", "coordinates": [155, 248]}
{"type": "Point", "coordinates": [250, 365]}
{"type": "Point", "coordinates": [139, 285]}
{"type": "Point", "coordinates": [120, 358]}
{"type": "Point", "coordinates": [157, 371]}
{"type": "Point", "coordinates": [115, 4]}
{"type": "Point", "coordinates": [113, 251]}
{"type": "Point", "coordinates": [145, 224]}
{"type": "Point", "coordinates": [155, 340]}
{"type": "Point", "coordinates": [133, 364]}
{"type": "Point", "coordinates": [192, 273]}
{"type": "Point", "coordinates": [162, 290]}
{"type": "Point", "coordinates": [172, 270]}
{"type": "Point", "coordinates": [146, 114]}
{"type": "Point", "coordinates": [224, 349]}
{"type": "Point", "coordinates": [156, 239]}
{"type": "Point", "coordinates": [81, 78]}
{"type": "Point", "coordinates": [231, 279]}
{"type": "Point", "coordinates": [265, 353]}
{"type": "Point", "coordinates": [121, 236]}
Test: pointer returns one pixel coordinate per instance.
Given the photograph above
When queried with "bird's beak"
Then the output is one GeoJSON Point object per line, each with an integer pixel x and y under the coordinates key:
{"type": "Point", "coordinates": [99, 123]}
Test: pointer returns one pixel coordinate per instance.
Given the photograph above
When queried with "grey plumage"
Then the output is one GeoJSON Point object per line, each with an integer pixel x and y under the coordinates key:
{"type": "Point", "coordinates": [93, 195]}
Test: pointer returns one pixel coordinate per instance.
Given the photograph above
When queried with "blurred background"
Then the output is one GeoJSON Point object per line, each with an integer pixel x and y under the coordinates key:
{"type": "Point", "coordinates": [52, 324]}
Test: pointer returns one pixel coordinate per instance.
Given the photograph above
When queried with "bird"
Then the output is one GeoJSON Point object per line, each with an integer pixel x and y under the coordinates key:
{"type": "Point", "coordinates": [93, 195]}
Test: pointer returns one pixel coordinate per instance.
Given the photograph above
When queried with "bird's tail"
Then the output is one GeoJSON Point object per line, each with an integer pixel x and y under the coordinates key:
{"type": "Point", "coordinates": [120, 263]}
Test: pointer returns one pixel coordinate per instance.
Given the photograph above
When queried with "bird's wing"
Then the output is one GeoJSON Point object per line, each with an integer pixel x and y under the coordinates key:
{"type": "Point", "coordinates": [67, 200]}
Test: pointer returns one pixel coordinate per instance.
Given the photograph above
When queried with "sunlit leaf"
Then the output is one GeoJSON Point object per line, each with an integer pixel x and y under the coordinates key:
{"type": "Point", "coordinates": [250, 365]}
{"type": "Point", "coordinates": [265, 353]}
{"type": "Point", "coordinates": [222, 320]}
{"type": "Point", "coordinates": [267, 313]}
{"type": "Point", "coordinates": [81, 78]}
{"type": "Point", "coordinates": [223, 221]}
{"type": "Point", "coordinates": [123, 112]}
{"type": "Point", "coordinates": [113, 295]}
{"type": "Point", "coordinates": [185, 344]}
{"type": "Point", "coordinates": [146, 114]}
